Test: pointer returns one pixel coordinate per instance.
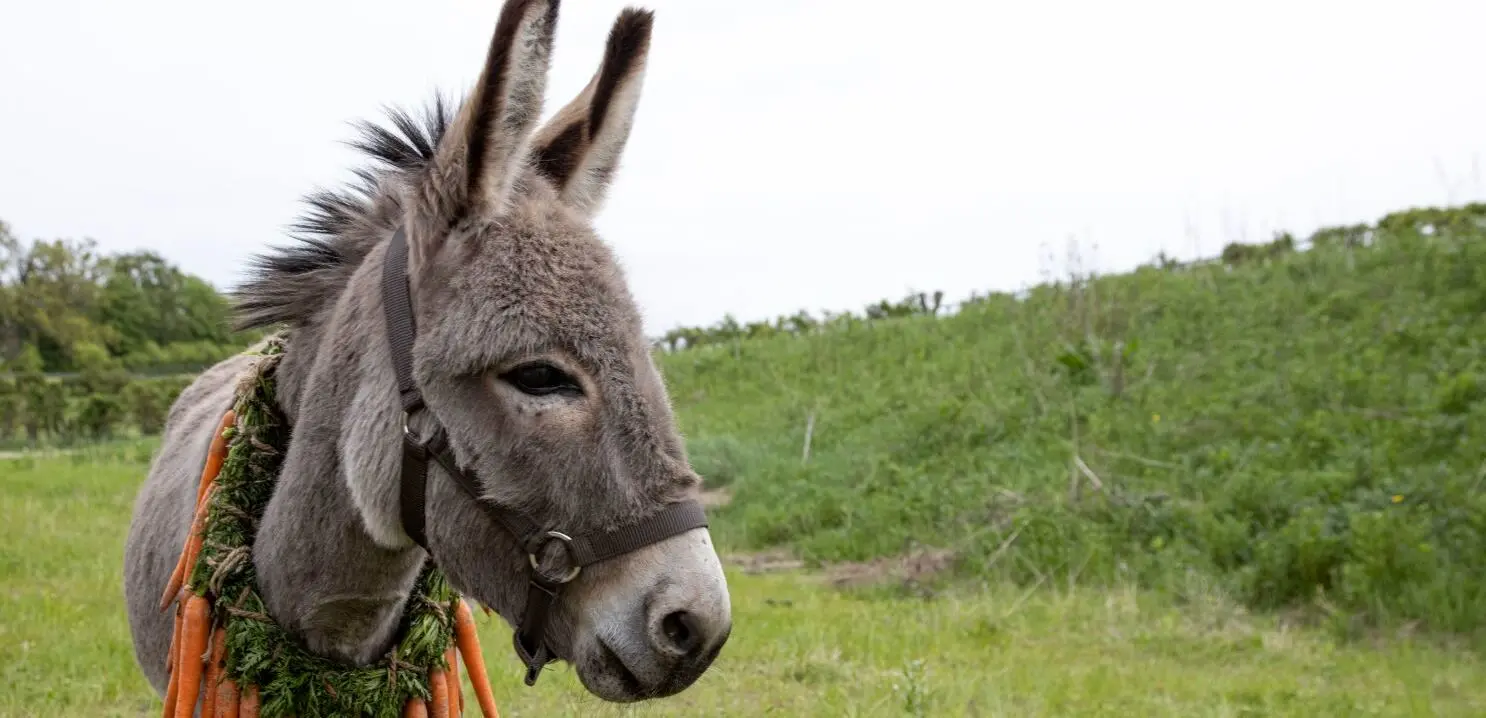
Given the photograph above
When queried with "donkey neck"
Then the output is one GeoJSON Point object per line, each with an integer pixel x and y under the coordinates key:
{"type": "Point", "coordinates": [333, 564]}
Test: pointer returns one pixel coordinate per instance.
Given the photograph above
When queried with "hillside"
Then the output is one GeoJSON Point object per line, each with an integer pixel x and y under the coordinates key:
{"type": "Point", "coordinates": [1294, 427]}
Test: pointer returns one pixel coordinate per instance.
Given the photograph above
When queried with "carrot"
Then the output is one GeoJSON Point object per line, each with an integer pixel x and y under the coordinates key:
{"type": "Point", "coordinates": [227, 700]}
{"type": "Point", "coordinates": [452, 658]}
{"type": "Point", "coordinates": [172, 664]}
{"type": "Point", "coordinates": [415, 708]}
{"type": "Point", "coordinates": [189, 554]}
{"type": "Point", "coordinates": [198, 535]}
{"type": "Point", "coordinates": [214, 672]}
{"type": "Point", "coordinates": [172, 689]}
{"type": "Point", "coordinates": [193, 645]}
{"type": "Point", "coordinates": [175, 642]}
{"type": "Point", "coordinates": [469, 645]}
{"type": "Point", "coordinates": [216, 455]}
{"type": "Point", "coordinates": [173, 586]}
{"type": "Point", "coordinates": [438, 684]}
{"type": "Point", "coordinates": [248, 706]}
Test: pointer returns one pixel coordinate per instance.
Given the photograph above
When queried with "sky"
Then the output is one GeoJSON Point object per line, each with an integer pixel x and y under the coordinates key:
{"type": "Point", "coordinates": [786, 155]}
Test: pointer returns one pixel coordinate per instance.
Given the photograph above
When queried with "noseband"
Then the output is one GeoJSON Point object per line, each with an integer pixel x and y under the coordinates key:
{"type": "Point", "coordinates": [581, 550]}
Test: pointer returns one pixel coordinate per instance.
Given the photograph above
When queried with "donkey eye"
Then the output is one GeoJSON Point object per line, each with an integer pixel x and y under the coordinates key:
{"type": "Point", "coordinates": [540, 379]}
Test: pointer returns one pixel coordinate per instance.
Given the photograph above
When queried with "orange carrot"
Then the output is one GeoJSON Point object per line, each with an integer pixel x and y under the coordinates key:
{"type": "Point", "coordinates": [415, 708]}
{"type": "Point", "coordinates": [191, 551]}
{"type": "Point", "coordinates": [193, 645]}
{"type": "Point", "coordinates": [198, 535]}
{"type": "Point", "coordinates": [214, 672]}
{"type": "Point", "coordinates": [248, 706]}
{"type": "Point", "coordinates": [173, 585]}
{"type": "Point", "coordinates": [227, 700]}
{"type": "Point", "coordinates": [172, 664]}
{"type": "Point", "coordinates": [171, 690]}
{"type": "Point", "coordinates": [474, 662]}
{"type": "Point", "coordinates": [175, 641]}
{"type": "Point", "coordinates": [438, 684]}
{"type": "Point", "coordinates": [452, 658]}
{"type": "Point", "coordinates": [216, 455]}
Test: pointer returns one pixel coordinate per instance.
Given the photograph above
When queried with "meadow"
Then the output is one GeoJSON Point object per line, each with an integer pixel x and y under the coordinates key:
{"type": "Point", "coordinates": [1251, 485]}
{"type": "Point", "coordinates": [801, 645]}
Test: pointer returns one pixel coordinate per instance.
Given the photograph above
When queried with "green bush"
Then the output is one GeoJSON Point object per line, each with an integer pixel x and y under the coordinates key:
{"type": "Point", "coordinates": [65, 411]}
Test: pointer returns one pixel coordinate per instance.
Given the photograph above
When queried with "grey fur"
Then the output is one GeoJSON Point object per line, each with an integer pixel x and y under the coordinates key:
{"type": "Point", "coordinates": [504, 270]}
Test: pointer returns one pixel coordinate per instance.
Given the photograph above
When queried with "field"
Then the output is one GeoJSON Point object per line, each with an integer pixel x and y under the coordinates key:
{"type": "Point", "coordinates": [1247, 486]}
{"type": "Point", "coordinates": [800, 647]}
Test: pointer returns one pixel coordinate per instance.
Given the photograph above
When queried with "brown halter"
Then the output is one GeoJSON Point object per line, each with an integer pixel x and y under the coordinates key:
{"type": "Point", "coordinates": [581, 550]}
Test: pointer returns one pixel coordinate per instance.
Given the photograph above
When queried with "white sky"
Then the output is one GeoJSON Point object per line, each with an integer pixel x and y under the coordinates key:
{"type": "Point", "coordinates": [787, 155]}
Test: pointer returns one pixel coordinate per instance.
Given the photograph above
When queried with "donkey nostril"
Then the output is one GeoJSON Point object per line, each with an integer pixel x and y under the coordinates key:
{"type": "Point", "coordinates": [680, 629]}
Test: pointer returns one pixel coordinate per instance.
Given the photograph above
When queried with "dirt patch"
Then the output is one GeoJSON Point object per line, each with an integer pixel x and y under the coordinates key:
{"type": "Point", "coordinates": [715, 498]}
{"type": "Point", "coordinates": [9, 454]}
{"type": "Point", "coordinates": [914, 568]}
{"type": "Point", "coordinates": [764, 561]}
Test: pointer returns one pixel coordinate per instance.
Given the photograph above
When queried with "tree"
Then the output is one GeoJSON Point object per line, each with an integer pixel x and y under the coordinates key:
{"type": "Point", "coordinates": [146, 300]}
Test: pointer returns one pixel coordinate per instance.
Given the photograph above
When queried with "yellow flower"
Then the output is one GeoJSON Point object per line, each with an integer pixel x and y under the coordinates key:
{"type": "Point", "coordinates": [1397, 498]}
{"type": "Point", "coordinates": [1155, 418]}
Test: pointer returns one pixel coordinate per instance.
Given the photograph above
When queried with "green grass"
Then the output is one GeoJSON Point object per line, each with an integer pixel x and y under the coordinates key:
{"type": "Point", "coordinates": [1300, 427]}
{"type": "Point", "coordinates": [799, 647]}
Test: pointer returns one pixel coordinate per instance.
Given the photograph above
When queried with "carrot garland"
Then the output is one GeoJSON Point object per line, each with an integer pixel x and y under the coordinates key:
{"type": "Point", "coordinates": [228, 657]}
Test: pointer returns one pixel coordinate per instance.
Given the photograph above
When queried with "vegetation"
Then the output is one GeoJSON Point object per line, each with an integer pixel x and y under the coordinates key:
{"type": "Point", "coordinates": [800, 647]}
{"type": "Point", "coordinates": [1300, 428]}
{"type": "Point", "coordinates": [92, 345]}
{"type": "Point", "coordinates": [1287, 434]}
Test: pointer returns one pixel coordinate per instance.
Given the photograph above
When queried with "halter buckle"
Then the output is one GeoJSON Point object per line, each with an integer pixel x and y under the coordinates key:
{"type": "Point", "coordinates": [567, 546]}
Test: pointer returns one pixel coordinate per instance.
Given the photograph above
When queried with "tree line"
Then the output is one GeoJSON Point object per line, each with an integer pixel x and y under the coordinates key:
{"type": "Point", "coordinates": [93, 344]}
{"type": "Point", "coordinates": [65, 307]}
{"type": "Point", "coordinates": [1426, 220]}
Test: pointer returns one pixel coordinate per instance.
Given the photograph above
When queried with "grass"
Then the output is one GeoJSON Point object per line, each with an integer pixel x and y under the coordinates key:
{"type": "Point", "coordinates": [800, 647]}
{"type": "Point", "coordinates": [1300, 427]}
{"type": "Point", "coordinates": [1251, 486]}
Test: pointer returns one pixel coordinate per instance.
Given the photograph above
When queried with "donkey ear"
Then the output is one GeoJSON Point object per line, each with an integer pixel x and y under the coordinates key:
{"type": "Point", "coordinates": [579, 148]}
{"type": "Point", "coordinates": [479, 159]}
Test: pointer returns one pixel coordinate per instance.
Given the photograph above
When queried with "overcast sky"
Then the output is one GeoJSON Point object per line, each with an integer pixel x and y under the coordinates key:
{"type": "Point", "coordinates": [787, 155]}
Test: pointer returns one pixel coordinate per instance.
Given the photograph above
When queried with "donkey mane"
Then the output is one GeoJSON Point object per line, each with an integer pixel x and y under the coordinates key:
{"type": "Point", "coordinates": [290, 284]}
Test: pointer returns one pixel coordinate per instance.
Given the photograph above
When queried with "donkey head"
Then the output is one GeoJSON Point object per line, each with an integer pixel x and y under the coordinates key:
{"type": "Point", "coordinates": [530, 355]}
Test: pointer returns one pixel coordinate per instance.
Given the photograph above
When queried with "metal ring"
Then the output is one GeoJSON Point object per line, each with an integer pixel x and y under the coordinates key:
{"type": "Point", "coordinates": [567, 545]}
{"type": "Point", "coordinates": [406, 431]}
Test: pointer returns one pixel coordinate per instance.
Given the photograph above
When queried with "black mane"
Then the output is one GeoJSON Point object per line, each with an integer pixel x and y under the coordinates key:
{"type": "Point", "coordinates": [288, 284]}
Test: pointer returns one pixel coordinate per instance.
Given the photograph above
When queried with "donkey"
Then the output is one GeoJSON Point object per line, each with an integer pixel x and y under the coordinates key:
{"type": "Point", "coordinates": [531, 359]}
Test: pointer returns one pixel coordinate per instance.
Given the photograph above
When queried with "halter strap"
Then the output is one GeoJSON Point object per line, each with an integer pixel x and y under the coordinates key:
{"type": "Point", "coordinates": [581, 549]}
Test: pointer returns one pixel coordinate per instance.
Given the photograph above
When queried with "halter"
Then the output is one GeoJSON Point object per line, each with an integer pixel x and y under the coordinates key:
{"type": "Point", "coordinates": [581, 550]}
